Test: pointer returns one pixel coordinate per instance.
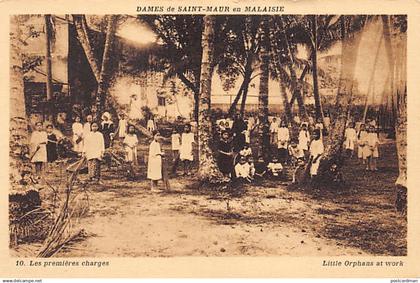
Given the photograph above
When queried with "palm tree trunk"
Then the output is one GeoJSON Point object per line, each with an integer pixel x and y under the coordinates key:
{"type": "Point", "coordinates": [335, 140]}
{"type": "Point", "coordinates": [105, 75]}
{"type": "Point", "coordinates": [48, 67]}
{"type": "Point", "coordinates": [83, 37]}
{"type": "Point", "coordinates": [264, 137]}
{"type": "Point", "coordinates": [318, 107]}
{"type": "Point", "coordinates": [372, 77]}
{"type": "Point", "coordinates": [18, 126]}
{"type": "Point", "coordinates": [208, 170]}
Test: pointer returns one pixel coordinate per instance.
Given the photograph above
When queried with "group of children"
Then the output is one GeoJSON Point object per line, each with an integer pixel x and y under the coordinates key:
{"type": "Point", "coordinates": [367, 142]}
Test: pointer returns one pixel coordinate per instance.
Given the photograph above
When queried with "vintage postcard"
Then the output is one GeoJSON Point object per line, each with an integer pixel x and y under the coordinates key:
{"type": "Point", "coordinates": [198, 139]}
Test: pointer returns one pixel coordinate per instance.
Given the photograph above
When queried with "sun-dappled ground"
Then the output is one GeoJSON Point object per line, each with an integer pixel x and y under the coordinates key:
{"type": "Point", "coordinates": [125, 218]}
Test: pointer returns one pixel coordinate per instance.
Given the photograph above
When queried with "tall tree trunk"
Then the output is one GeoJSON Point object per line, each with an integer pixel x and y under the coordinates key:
{"type": "Point", "coordinates": [349, 54]}
{"type": "Point", "coordinates": [298, 93]}
{"type": "Point", "coordinates": [105, 75]}
{"type": "Point", "coordinates": [243, 89]}
{"type": "Point", "coordinates": [18, 126]}
{"type": "Point", "coordinates": [318, 107]}
{"type": "Point", "coordinates": [264, 137]}
{"type": "Point", "coordinates": [397, 61]}
{"type": "Point", "coordinates": [208, 170]}
{"type": "Point", "coordinates": [83, 37]}
{"type": "Point", "coordinates": [244, 97]}
{"type": "Point", "coordinates": [371, 80]}
{"type": "Point", "coordinates": [48, 68]}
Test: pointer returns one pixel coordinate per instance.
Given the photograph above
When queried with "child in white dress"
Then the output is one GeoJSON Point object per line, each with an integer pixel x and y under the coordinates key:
{"type": "Point", "coordinates": [38, 144]}
{"type": "Point", "coordinates": [130, 145]}
{"type": "Point", "coordinates": [186, 149]}
{"type": "Point", "coordinates": [77, 129]}
{"type": "Point", "coordinates": [304, 138]}
{"type": "Point", "coordinates": [154, 164]}
{"type": "Point", "coordinates": [361, 143]}
{"type": "Point", "coordinates": [94, 149]}
{"type": "Point", "coordinates": [372, 148]}
{"type": "Point", "coordinates": [350, 139]}
{"type": "Point", "coordinates": [316, 150]}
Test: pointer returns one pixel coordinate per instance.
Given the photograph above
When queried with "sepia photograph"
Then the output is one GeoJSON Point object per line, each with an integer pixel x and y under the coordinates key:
{"type": "Point", "coordinates": [176, 135]}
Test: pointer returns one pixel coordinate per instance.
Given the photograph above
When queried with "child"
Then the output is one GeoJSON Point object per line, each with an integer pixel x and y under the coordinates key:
{"type": "Point", "coordinates": [130, 145]}
{"type": "Point", "coordinates": [273, 131]}
{"type": "Point", "coordinates": [372, 146]}
{"type": "Point", "coordinates": [122, 126]}
{"type": "Point", "coordinates": [87, 125]}
{"type": "Point", "coordinates": [260, 167]}
{"type": "Point", "coordinates": [176, 145]}
{"type": "Point", "coordinates": [242, 170]}
{"type": "Point", "coordinates": [186, 149]}
{"type": "Point", "coordinates": [77, 129]}
{"type": "Point", "coordinates": [107, 128]}
{"type": "Point", "coordinates": [151, 124]}
{"type": "Point", "coordinates": [93, 149]}
{"type": "Point", "coordinates": [52, 141]}
{"type": "Point", "coordinates": [316, 150]}
{"type": "Point", "coordinates": [154, 164]}
{"type": "Point", "coordinates": [38, 145]}
{"type": "Point", "coordinates": [319, 125]}
{"type": "Point", "coordinates": [304, 138]}
{"type": "Point", "coordinates": [283, 137]}
{"type": "Point", "coordinates": [361, 143]}
{"type": "Point", "coordinates": [251, 167]}
{"type": "Point", "coordinates": [350, 139]}
{"type": "Point", "coordinates": [296, 152]}
{"type": "Point", "coordinates": [274, 167]}
{"type": "Point", "coordinates": [246, 151]}
{"type": "Point", "coordinates": [225, 157]}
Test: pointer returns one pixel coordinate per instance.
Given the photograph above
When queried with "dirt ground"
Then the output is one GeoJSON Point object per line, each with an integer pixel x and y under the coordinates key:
{"type": "Point", "coordinates": [126, 219]}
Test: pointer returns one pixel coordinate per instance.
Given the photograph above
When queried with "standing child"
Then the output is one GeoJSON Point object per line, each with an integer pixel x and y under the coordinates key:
{"type": "Point", "coordinates": [304, 138]}
{"type": "Point", "coordinates": [122, 126]}
{"type": "Point", "coordinates": [38, 144]}
{"type": "Point", "coordinates": [77, 129]}
{"type": "Point", "coordinates": [372, 146]}
{"type": "Point", "coordinates": [283, 137]}
{"type": "Point", "coordinates": [361, 143]}
{"type": "Point", "coordinates": [176, 145]}
{"type": "Point", "coordinates": [107, 128]}
{"type": "Point", "coordinates": [87, 125]}
{"type": "Point", "coordinates": [154, 164]}
{"type": "Point", "coordinates": [93, 149]}
{"type": "Point", "coordinates": [316, 150]}
{"type": "Point", "coordinates": [52, 140]}
{"type": "Point", "coordinates": [225, 157]}
{"type": "Point", "coordinates": [130, 146]}
{"type": "Point", "coordinates": [151, 124]}
{"type": "Point", "coordinates": [274, 127]}
{"type": "Point", "coordinates": [186, 149]}
{"type": "Point", "coordinates": [350, 139]}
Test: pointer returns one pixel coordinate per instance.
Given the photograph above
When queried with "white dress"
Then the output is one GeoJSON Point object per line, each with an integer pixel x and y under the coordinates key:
{"type": "Point", "coordinates": [39, 138]}
{"type": "Point", "coordinates": [283, 137]}
{"type": "Point", "coordinates": [150, 125]}
{"type": "Point", "coordinates": [303, 140]}
{"type": "Point", "coordinates": [351, 137]}
{"type": "Point", "coordinates": [242, 170]}
{"type": "Point", "coordinates": [94, 145]}
{"type": "Point", "coordinates": [86, 129]}
{"type": "Point", "coordinates": [122, 128]}
{"type": "Point", "coordinates": [316, 148]}
{"type": "Point", "coordinates": [175, 141]}
{"type": "Point", "coordinates": [77, 129]}
{"type": "Point", "coordinates": [130, 142]}
{"type": "Point", "coordinates": [186, 150]}
{"type": "Point", "coordinates": [154, 164]}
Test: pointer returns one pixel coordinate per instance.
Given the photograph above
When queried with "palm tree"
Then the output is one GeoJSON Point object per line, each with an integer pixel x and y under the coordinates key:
{"type": "Point", "coordinates": [105, 74]}
{"type": "Point", "coordinates": [394, 31]}
{"type": "Point", "coordinates": [263, 91]}
{"type": "Point", "coordinates": [208, 170]}
{"type": "Point", "coordinates": [18, 127]}
{"type": "Point", "coordinates": [350, 45]}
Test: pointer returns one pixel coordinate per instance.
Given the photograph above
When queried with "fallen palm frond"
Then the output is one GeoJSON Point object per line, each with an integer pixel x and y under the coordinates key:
{"type": "Point", "coordinates": [61, 231]}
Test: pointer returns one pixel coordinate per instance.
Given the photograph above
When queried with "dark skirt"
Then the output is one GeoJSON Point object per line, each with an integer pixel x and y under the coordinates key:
{"type": "Point", "coordinates": [52, 154]}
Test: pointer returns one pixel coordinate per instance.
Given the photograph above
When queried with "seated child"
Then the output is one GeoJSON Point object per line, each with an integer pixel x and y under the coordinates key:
{"type": "Point", "coordinates": [246, 151]}
{"type": "Point", "coordinates": [260, 167]}
{"type": "Point", "coordinates": [275, 167]}
{"type": "Point", "coordinates": [242, 170]}
{"type": "Point", "coordinates": [251, 166]}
